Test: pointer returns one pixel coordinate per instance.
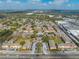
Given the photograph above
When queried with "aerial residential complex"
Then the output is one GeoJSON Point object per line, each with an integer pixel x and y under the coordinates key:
{"type": "Point", "coordinates": [35, 33]}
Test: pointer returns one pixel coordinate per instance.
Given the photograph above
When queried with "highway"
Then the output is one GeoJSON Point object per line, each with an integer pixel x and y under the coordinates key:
{"type": "Point", "coordinates": [69, 35]}
{"type": "Point", "coordinates": [45, 49]}
{"type": "Point", "coordinates": [22, 55]}
{"type": "Point", "coordinates": [64, 35]}
{"type": "Point", "coordinates": [34, 47]}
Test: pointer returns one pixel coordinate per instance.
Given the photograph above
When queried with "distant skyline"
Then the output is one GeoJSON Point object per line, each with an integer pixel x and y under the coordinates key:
{"type": "Point", "coordinates": [39, 4]}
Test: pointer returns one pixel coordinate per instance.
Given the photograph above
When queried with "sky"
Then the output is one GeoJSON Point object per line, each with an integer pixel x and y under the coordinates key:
{"type": "Point", "coordinates": [39, 4]}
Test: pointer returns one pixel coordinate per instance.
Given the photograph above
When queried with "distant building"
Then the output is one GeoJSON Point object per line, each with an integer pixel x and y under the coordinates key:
{"type": "Point", "coordinates": [51, 15]}
{"type": "Point", "coordinates": [29, 13]}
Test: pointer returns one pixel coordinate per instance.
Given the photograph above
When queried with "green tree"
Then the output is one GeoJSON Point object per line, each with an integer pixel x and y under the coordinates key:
{"type": "Point", "coordinates": [45, 39]}
{"type": "Point", "coordinates": [22, 42]}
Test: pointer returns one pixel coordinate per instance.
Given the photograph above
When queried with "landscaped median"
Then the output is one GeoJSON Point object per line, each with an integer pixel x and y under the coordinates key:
{"type": "Point", "coordinates": [39, 48]}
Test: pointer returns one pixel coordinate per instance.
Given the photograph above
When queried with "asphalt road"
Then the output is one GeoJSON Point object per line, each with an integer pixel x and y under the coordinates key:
{"type": "Point", "coordinates": [39, 56]}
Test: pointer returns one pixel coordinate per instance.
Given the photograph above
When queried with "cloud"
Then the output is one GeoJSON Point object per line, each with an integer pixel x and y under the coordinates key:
{"type": "Point", "coordinates": [0, 2]}
{"type": "Point", "coordinates": [37, 4]}
{"type": "Point", "coordinates": [36, 0]}
{"type": "Point", "coordinates": [50, 2]}
{"type": "Point", "coordinates": [59, 2]}
{"type": "Point", "coordinates": [8, 1]}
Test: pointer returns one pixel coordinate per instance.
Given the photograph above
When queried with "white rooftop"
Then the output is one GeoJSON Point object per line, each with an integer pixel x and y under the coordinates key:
{"type": "Point", "coordinates": [75, 32]}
